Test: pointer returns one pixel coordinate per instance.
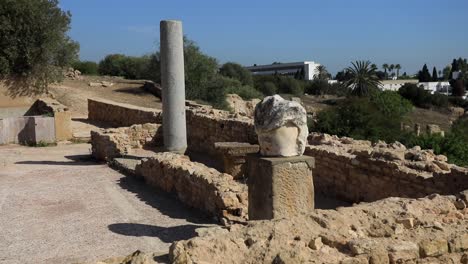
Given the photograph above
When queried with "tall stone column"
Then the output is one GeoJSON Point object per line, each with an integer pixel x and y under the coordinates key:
{"type": "Point", "coordinates": [173, 86]}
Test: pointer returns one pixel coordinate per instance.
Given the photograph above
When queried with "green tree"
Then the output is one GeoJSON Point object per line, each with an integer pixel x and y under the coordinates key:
{"type": "Point", "coordinates": [322, 73]}
{"type": "Point", "coordinates": [34, 45]}
{"type": "Point", "coordinates": [86, 67]}
{"type": "Point", "coordinates": [236, 71]}
{"type": "Point", "coordinates": [398, 68]}
{"type": "Point", "coordinates": [424, 75]}
{"type": "Point", "coordinates": [363, 79]}
{"type": "Point", "coordinates": [385, 67]}
{"type": "Point", "coordinates": [391, 69]}
{"type": "Point", "coordinates": [435, 78]}
{"type": "Point", "coordinates": [200, 69]}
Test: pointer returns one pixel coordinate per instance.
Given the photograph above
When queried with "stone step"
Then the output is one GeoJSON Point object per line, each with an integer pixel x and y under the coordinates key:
{"type": "Point", "coordinates": [126, 165]}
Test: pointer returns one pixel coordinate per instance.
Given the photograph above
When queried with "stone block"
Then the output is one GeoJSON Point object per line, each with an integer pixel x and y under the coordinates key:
{"type": "Point", "coordinates": [433, 248]}
{"type": "Point", "coordinates": [234, 156]}
{"type": "Point", "coordinates": [279, 187]}
{"type": "Point", "coordinates": [63, 126]}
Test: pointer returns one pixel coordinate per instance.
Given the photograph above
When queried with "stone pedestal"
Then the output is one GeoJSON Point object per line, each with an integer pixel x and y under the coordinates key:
{"type": "Point", "coordinates": [173, 86]}
{"type": "Point", "coordinates": [279, 187]}
{"type": "Point", "coordinates": [234, 156]}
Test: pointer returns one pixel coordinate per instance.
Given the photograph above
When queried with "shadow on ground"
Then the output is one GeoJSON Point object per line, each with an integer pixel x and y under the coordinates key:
{"type": "Point", "coordinates": [165, 234]}
{"type": "Point", "coordinates": [166, 203]}
{"type": "Point", "coordinates": [74, 160]}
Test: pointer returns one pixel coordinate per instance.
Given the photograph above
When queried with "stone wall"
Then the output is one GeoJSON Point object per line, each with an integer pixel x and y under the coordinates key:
{"type": "Point", "coordinates": [115, 142]}
{"type": "Point", "coordinates": [121, 115]}
{"type": "Point", "coordinates": [196, 185]}
{"type": "Point", "coordinates": [62, 116]}
{"type": "Point", "coordinates": [355, 170]}
{"type": "Point", "coordinates": [206, 126]}
{"type": "Point", "coordinates": [27, 130]}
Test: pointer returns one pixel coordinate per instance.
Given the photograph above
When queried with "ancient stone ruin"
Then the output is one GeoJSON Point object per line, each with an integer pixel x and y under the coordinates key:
{"type": "Point", "coordinates": [261, 179]}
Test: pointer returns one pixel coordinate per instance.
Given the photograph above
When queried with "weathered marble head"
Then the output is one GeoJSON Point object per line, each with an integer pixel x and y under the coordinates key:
{"type": "Point", "coordinates": [281, 127]}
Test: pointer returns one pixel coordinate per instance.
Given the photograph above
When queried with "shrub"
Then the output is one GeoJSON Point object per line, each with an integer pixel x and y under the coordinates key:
{"type": "Point", "coordinates": [86, 67]}
{"type": "Point", "coordinates": [374, 118]}
{"type": "Point", "coordinates": [422, 98]}
{"type": "Point", "coordinates": [268, 88]}
{"type": "Point", "coordinates": [458, 101]}
{"type": "Point", "coordinates": [236, 71]}
{"type": "Point", "coordinates": [244, 91]}
{"type": "Point", "coordinates": [290, 86]}
{"type": "Point", "coordinates": [34, 45]}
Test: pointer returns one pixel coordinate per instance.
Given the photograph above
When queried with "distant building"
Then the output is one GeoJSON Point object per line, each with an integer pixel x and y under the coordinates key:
{"type": "Point", "coordinates": [309, 68]}
{"type": "Point", "coordinates": [433, 87]}
{"type": "Point", "coordinates": [395, 85]}
{"type": "Point", "coordinates": [439, 87]}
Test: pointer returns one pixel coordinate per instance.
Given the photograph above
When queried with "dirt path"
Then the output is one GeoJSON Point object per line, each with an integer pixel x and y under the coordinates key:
{"type": "Point", "coordinates": [58, 206]}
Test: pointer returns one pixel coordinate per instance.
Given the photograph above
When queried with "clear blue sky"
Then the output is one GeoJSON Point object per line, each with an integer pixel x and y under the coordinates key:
{"type": "Point", "coordinates": [330, 32]}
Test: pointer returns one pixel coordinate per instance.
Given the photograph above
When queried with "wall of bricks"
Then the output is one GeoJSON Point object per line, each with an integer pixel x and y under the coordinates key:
{"type": "Point", "coordinates": [121, 115]}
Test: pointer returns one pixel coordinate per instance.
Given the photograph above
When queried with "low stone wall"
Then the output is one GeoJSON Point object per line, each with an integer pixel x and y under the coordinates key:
{"type": "Point", "coordinates": [27, 130]}
{"type": "Point", "coordinates": [355, 170]}
{"type": "Point", "coordinates": [121, 115]}
{"type": "Point", "coordinates": [196, 185]}
{"type": "Point", "coordinates": [115, 142]}
{"type": "Point", "coordinates": [206, 126]}
{"type": "Point", "coordinates": [60, 112]}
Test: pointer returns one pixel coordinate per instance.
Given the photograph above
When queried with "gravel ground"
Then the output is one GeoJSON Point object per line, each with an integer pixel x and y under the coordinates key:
{"type": "Point", "coordinates": [58, 206]}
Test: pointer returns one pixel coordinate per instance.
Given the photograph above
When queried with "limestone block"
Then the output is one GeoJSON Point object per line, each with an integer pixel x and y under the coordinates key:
{"type": "Point", "coordinates": [279, 187]}
{"type": "Point", "coordinates": [281, 127]}
{"type": "Point", "coordinates": [433, 248]}
{"type": "Point", "coordinates": [63, 125]}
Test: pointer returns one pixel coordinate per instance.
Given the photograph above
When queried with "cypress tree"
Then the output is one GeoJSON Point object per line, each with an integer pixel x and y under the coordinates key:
{"type": "Point", "coordinates": [424, 75]}
{"type": "Point", "coordinates": [435, 78]}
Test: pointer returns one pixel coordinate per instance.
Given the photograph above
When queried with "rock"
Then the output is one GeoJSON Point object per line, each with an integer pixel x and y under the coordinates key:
{"type": "Point", "coordinates": [403, 251]}
{"type": "Point", "coordinates": [406, 222]}
{"type": "Point", "coordinates": [378, 256]}
{"type": "Point", "coordinates": [433, 248]}
{"type": "Point", "coordinates": [434, 129]}
{"type": "Point", "coordinates": [438, 226]}
{"type": "Point", "coordinates": [240, 106]}
{"type": "Point", "coordinates": [136, 257]}
{"type": "Point", "coordinates": [95, 84]}
{"type": "Point", "coordinates": [363, 246]}
{"type": "Point", "coordinates": [457, 111]}
{"type": "Point", "coordinates": [459, 243]}
{"type": "Point", "coordinates": [459, 204]}
{"type": "Point", "coordinates": [464, 259]}
{"type": "Point", "coordinates": [106, 84]}
{"type": "Point", "coordinates": [442, 165]}
{"type": "Point", "coordinates": [281, 127]}
{"type": "Point", "coordinates": [316, 243]}
{"type": "Point", "coordinates": [358, 260]}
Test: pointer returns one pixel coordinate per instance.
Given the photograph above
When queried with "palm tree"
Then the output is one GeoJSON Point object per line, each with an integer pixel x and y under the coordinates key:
{"type": "Point", "coordinates": [385, 67]}
{"type": "Point", "coordinates": [398, 68]}
{"type": "Point", "coordinates": [322, 73]}
{"type": "Point", "coordinates": [391, 68]}
{"type": "Point", "coordinates": [374, 66]}
{"type": "Point", "coordinates": [363, 78]}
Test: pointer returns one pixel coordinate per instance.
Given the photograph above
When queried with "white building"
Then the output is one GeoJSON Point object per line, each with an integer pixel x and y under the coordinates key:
{"type": "Point", "coordinates": [440, 87]}
{"type": "Point", "coordinates": [433, 87]}
{"type": "Point", "coordinates": [394, 85]}
{"type": "Point", "coordinates": [291, 68]}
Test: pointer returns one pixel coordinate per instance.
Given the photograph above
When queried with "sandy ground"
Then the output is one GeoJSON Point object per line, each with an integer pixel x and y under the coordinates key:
{"type": "Point", "coordinates": [58, 206]}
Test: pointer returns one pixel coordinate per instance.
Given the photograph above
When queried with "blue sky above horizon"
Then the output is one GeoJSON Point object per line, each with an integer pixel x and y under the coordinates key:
{"type": "Point", "coordinates": [332, 32]}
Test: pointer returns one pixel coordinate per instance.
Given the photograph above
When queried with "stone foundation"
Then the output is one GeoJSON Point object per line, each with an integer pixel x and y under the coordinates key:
{"type": "Point", "coordinates": [116, 142]}
{"type": "Point", "coordinates": [121, 115]}
{"type": "Point", "coordinates": [196, 185]}
{"type": "Point", "coordinates": [355, 170]}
